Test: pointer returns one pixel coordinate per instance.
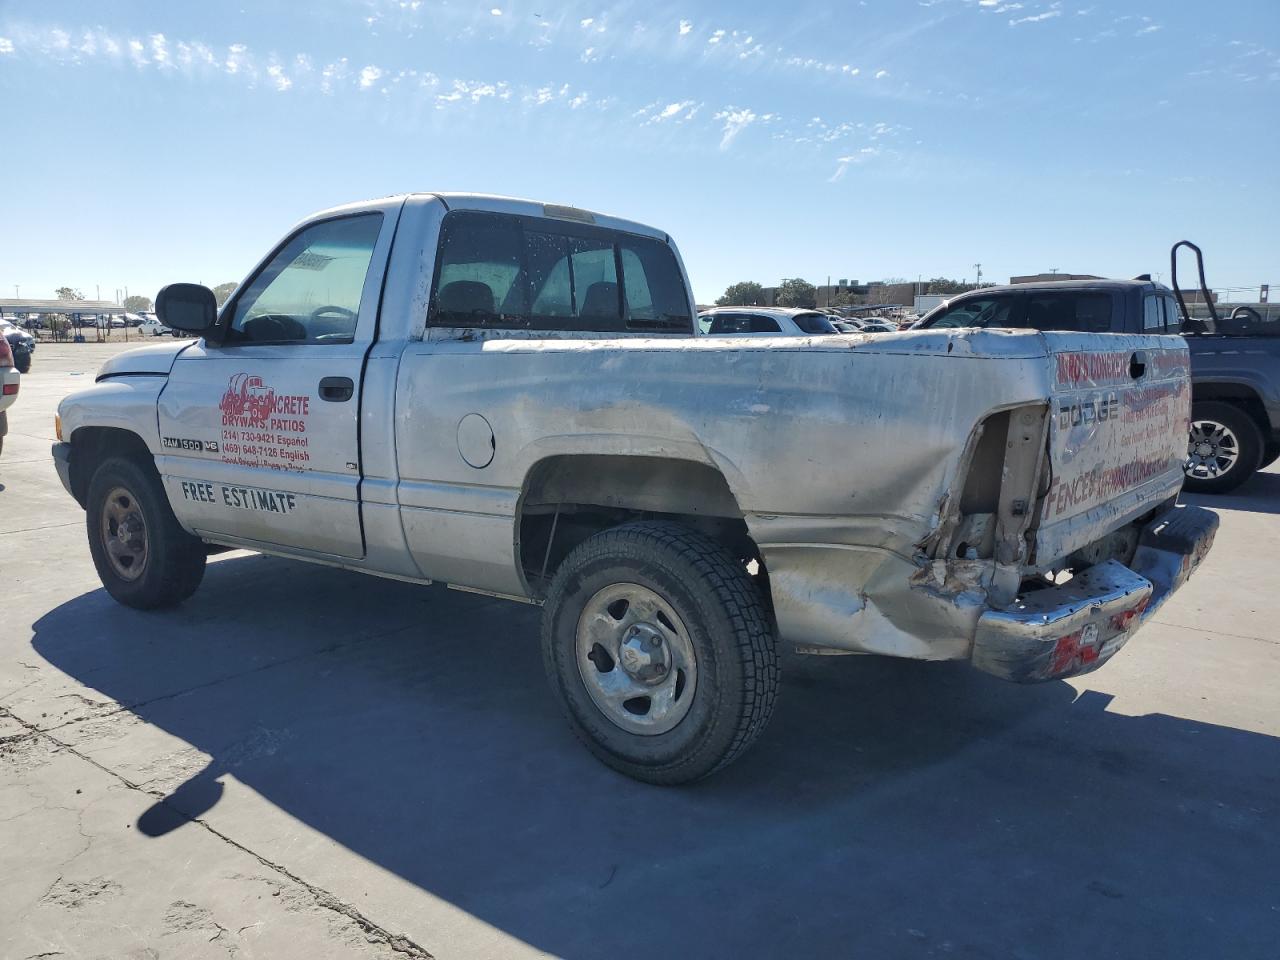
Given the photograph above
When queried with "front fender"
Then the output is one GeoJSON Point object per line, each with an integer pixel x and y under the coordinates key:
{"type": "Point", "coordinates": [122, 403]}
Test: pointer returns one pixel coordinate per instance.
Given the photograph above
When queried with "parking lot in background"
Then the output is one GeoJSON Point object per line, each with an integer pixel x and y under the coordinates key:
{"type": "Point", "coordinates": [304, 762]}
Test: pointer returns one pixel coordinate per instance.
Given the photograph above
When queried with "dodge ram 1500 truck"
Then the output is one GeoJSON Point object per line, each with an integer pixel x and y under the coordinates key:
{"type": "Point", "coordinates": [512, 398]}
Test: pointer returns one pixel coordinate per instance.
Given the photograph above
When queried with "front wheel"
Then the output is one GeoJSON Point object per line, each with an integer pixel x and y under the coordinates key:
{"type": "Point", "coordinates": [143, 556]}
{"type": "Point", "coordinates": [658, 645]}
{"type": "Point", "coordinates": [1223, 449]}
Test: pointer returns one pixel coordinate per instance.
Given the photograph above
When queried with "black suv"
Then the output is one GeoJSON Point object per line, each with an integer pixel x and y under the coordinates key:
{"type": "Point", "coordinates": [1235, 366]}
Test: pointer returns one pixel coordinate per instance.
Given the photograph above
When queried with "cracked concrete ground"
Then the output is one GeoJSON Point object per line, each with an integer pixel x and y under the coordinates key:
{"type": "Point", "coordinates": [301, 762]}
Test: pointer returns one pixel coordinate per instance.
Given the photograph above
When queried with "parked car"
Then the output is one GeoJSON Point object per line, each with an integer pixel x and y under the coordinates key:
{"type": "Point", "coordinates": [513, 398]}
{"type": "Point", "coordinates": [760, 321]}
{"type": "Point", "coordinates": [10, 379]}
{"type": "Point", "coordinates": [1235, 366]}
{"type": "Point", "coordinates": [153, 328]}
{"type": "Point", "coordinates": [21, 344]}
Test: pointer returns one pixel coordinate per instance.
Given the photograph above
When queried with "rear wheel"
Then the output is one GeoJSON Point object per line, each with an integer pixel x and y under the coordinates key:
{"type": "Point", "coordinates": [659, 647]}
{"type": "Point", "coordinates": [1224, 448]}
{"type": "Point", "coordinates": [143, 556]}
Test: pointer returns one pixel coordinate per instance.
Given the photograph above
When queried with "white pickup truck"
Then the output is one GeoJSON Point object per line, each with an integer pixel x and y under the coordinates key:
{"type": "Point", "coordinates": [513, 398]}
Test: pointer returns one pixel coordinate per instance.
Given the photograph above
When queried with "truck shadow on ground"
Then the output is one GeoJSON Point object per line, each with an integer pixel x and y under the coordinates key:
{"type": "Point", "coordinates": [893, 808]}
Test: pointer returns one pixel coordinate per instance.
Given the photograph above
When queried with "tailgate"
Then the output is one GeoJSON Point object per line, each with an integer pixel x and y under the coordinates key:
{"type": "Point", "coordinates": [1117, 437]}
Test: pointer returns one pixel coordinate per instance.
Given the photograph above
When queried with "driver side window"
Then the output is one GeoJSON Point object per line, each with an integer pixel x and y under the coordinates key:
{"type": "Point", "coordinates": [310, 290]}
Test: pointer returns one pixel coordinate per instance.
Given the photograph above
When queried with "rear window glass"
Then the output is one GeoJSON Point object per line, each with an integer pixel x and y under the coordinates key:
{"type": "Point", "coordinates": [506, 271]}
{"type": "Point", "coordinates": [814, 323]}
{"type": "Point", "coordinates": [480, 280]}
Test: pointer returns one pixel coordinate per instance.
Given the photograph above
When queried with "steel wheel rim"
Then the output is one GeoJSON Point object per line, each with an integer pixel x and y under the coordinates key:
{"type": "Point", "coordinates": [636, 659]}
{"type": "Point", "coordinates": [1213, 449]}
{"type": "Point", "coordinates": [124, 534]}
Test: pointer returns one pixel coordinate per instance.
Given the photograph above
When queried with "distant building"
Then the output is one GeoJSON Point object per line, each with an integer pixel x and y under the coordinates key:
{"type": "Point", "coordinates": [1048, 277]}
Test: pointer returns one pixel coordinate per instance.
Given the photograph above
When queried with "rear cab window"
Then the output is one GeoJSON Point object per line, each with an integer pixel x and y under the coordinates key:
{"type": "Point", "coordinates": [515, 272]}
{"type": "Point", "coordinates": [1081, 312]}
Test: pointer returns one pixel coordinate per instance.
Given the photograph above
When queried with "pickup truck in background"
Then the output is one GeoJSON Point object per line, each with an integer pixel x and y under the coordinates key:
{"type": "Point", "coordinates": [1235, 360]}
{"type": "Point", "coordinates": [513, 398]}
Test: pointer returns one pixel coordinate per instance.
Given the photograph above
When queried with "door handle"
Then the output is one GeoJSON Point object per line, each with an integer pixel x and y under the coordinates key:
{"type": "Point", "coordinates": [336, 389]}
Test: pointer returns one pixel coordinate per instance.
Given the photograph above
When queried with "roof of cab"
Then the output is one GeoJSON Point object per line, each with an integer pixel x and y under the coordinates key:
{"type": "Point", "coordinates": [493, 203]}
{"type": "Point", "coordinates": [1051, 285]}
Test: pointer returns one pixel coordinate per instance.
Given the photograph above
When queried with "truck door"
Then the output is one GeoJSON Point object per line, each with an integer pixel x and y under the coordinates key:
{"type": "Point", "coordinates": [260, 421]}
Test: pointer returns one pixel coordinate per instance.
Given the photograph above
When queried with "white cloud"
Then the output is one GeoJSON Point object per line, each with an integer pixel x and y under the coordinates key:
{"type": "Point", "coordinates": [276, 73]}
{"type": "Point", "coordinates": [685, 27]}
{"type": "Point", "coordinates": [496, 12]}
{"type": "Point", "coordinates": [881, 74]}
{"type": "Point", "coordinates": [737, 119]}
{"type": "Point", "coordinates": [1150, 28]}
{"type": "Point", "coordinates": [6, 45]}
{"type": "Point", "coordinates": [237, 59]}
{"type": "Point", "coordinates": [843, 163]}
{"type": "Point", "coordinates": [137, 53]}
{"type": "Point", "coordinates": [1036, 18]}
{"type": "Point", "coordinates": [716, 37]}
{"type": "Point", "coordinates": [586, 23]}
{"type": "Point", "coordinates": [369, 76]}
{"type": "Point", "coordinates": [160, 51]}
{"type": "Point", "coordinates": [681, 111]}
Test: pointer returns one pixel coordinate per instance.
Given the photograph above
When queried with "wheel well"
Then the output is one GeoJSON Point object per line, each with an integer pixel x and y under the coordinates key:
{"type": "Point", "coordinates": [570, 498]}
{"type": "Point", "coordinates": [91, 445]}
{"type": "Point", "coordinates": [1246, 398]}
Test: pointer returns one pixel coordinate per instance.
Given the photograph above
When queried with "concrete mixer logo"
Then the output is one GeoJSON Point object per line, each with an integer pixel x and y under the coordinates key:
{"type": "Point", "coordinates": [247, 396]}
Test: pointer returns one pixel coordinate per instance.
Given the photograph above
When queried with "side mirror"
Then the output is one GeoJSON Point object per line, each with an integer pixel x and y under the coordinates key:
{"type": "Point", "coordinates": [188, 307]}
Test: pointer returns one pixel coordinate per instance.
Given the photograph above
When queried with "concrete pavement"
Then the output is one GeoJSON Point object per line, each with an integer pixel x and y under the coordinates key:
{"type": "Point", "coordinates": [303, 762]}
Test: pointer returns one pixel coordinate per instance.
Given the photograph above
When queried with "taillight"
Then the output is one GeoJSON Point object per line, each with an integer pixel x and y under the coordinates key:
{"type": "Point", "coordinates": [10, 389]}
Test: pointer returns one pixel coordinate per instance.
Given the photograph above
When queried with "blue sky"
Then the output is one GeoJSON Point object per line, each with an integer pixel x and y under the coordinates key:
{"type": "Point", "coordinates": [156, 141]}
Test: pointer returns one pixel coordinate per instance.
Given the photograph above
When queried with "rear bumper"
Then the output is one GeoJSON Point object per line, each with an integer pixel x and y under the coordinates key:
{"type": "Point", "coordinates": [1076, 627]}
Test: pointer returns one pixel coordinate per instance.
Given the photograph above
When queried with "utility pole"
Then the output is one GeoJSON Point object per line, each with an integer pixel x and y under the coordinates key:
{"type": "Point", "coordinates": [1054, 271]}
{"type": "Point", "coordinates": [16, 295]}
{"type": "Point", "coordinates": [97, 291]}
{"type": "Point", "coordinates": [978, 281]}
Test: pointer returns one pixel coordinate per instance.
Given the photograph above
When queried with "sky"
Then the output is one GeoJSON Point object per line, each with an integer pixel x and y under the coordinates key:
{"type": "Point", "coordinates": [149, 142]}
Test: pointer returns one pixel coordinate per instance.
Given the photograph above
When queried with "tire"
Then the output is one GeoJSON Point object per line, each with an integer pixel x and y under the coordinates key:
{"type": "Point", "coordinates": [1224, 448]}
{"type": "Point", "coordinates": [151, 562]}
{"type": "Point", "coordinates": [710, 686]}
{"type": "Point", "coordinates": [22, 361]}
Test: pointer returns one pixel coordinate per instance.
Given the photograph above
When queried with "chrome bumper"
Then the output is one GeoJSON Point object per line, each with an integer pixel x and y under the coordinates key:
{"type": "Point", "coordinates": [1065, 630]}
